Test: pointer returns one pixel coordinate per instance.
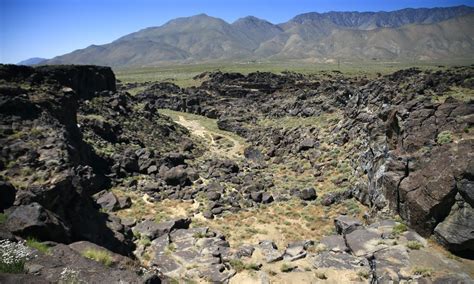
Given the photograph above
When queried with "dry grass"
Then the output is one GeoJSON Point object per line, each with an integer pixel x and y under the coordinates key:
{"type": "Point", "coordinates": [159, 211]}
{"type": "Point", "coordinates": [280, 222]}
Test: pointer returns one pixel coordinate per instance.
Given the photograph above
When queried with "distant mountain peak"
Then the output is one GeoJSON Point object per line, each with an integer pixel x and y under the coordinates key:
{"type": "Point", "coordinates": [32, 61]}
{"type": "Point", "coordinates": [405, 34]}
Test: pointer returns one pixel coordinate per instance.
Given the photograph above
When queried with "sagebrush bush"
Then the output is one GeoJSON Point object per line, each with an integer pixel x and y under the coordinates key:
{"type": "Point", "coordinates": [444, 137]}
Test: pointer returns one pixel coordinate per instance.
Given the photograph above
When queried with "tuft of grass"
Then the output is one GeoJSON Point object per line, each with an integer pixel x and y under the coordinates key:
{"type": "Point", "coordinates": [444, 137]}
{"type": "Point", "coordinates": [145, 241]}
{"type": "Point", "coordinates": [365, 274]}
{"type": "Point", "coordinates": [199, 235]}
{"type": "Point", "coordinates": [423, 271]}
{"type": "Point", "coordinates": [34, 243]}
{"type": "Point", "coordinates": [101, 256]}
{"type": "Point", "coordinates": [321, 275]}
{"type": "Point", "coordinates": [239, 266]}
{"type": "Point", "coordinates": [414, 245]}
{"type": "Point", "coordinates": [3, 218]}
{"type": "Point", "coordinates": [171, 248]}
{"type": "Point", "coordinates": [399, 228]}
{"type": "Point", "coordinates": [285, 267]}
{"type": "Point", "coordinates": [253, 266]}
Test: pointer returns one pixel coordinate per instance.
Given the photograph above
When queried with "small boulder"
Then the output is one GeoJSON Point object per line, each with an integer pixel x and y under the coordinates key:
{"type": "Point", "coordinates": [307, 194]}
{"type": "Point", "coordinates": [153, 230]}
{"type": "Point", "coordinates": [267, 198]}
{"type": "Point", "coordinates": [208, 214]}
{"type": "Point", "coordinates": [345, 224]}
{"type": "Point", "coordinates": [214, 196]}
{"type": "Point", "coordinates": [270, 251]}
{"type": "Point", "coordinates": [245, 251]}
{"type": "Point", "coordinates": [176, 176]}
{"type": "Point", "coordinates": [306, 144]}
{"type": "Point", "coordinates": [256, 196]}
{"type": "Point", "coordinates": [108, 201]}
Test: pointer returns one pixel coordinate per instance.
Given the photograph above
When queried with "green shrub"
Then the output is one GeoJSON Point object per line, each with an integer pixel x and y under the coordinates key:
{"type": "Point", "coordinates": [3, 218]}
{"type": "Point", "coordinates": [252, 266]}
{"type": "Point", "coordinates": [444, 137]}
{"type": "Point", "coordinates": [363, 274]}
{"type": "Point", "coordinates": [285, 267]}
{"type": "Point", "coordinates": [236, 264]}
{"type": "Point", "coordinates": [14, 268]}
{"type": "Point", "coordinates": [98, 255]}
{"type": "Point", "coordinates": [145, 241]}
{"type": "Point", "coordinates": [33, 243]}
{"type": "Point", "coordinates": [239, 266]}
{"type": "Point", "coordinates": [399, 228]}
{"type": "Point", "coordinates": [414, 245]}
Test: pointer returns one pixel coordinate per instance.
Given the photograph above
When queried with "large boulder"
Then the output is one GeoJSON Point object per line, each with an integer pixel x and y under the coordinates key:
{"type": "Point", "coordinates": [33, 220]}
{"type": "Point", "coordinates": [427, 194]}
{"type": "Point", "coordinates": [456, 232]}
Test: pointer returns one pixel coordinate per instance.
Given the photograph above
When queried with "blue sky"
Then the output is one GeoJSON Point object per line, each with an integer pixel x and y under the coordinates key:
{"type": "Point", "coordinates": [46, 28]}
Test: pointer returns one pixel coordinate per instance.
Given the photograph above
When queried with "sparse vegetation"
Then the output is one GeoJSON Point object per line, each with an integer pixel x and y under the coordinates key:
{"type": "Point", "coordinates": [321, 275]}
{"type": "Point", "coordinates": [423, 271]}
{"type": "Point", "coordinates": [365, 274]}
{"type": "Point", "coordinates": [145, 241]}
{"type": "Point", "coordinates": [33, 243]}
{"type": "Point", "coordinates": [171, 248]}
{"type": "Point", "coordinates": [285, 267]}
{"type": "Point", "coordinates": [13, 256]}
{"type": "Point", "coordinates": [444, 137]}
{"type": "Point", "coordinates": [98, 255]}
{"type": "Point", "coordinates": [3, 218]}
{"type": "Point", "coordinates": [239, 266]}
{"type": "Point", "coordinates": [414, 245]}
{"type": "Point", "coordinates": [399, 228]}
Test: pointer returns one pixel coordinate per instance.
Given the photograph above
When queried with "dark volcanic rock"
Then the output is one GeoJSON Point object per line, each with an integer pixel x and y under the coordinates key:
{"type": "Point", "coordinates": [34, 221]}
{"type": "Point", "coordinates": [176, 176]}
{"type": "Point", "coordinates": [345, 224]}
{"type": "Point", "coordinates": [307, 194]}
{"type": "Point", "coordinates": [7, 195]}
{"type": "Point", "coordinates": [456, 231]}
{"type": "Point", "coordinates": [153, 230]}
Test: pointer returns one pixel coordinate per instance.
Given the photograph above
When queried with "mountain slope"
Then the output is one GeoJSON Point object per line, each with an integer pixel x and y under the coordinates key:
{"type": "Point", "coordinates": [32, 61]}
{"type": "Point", "coordinates": [408, 34]}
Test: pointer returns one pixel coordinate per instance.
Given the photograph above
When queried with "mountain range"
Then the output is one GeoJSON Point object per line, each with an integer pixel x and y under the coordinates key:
{"type": "Point", "coordinates": [32, 61]}
{"type": "Point", "coordinates": [404, 35]}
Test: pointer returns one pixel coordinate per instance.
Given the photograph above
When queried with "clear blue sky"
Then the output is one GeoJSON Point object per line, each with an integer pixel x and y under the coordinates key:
{"type": "Point", "coordinates": [46, 28]}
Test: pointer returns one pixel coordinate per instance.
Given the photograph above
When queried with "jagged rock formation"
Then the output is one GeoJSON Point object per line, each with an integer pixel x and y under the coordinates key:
{"type": "Point", "coordinates": [414, 152]}
{"type": "Point", "coordinates": [80, 157]}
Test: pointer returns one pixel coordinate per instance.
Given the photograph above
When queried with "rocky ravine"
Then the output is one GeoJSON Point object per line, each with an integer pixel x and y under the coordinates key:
{"type": "Point", "coordinates": [105, 186]}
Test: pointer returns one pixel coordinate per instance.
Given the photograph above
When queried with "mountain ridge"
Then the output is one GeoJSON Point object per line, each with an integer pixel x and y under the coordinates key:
{"type": "Point", "coordinates": [408, 34]}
